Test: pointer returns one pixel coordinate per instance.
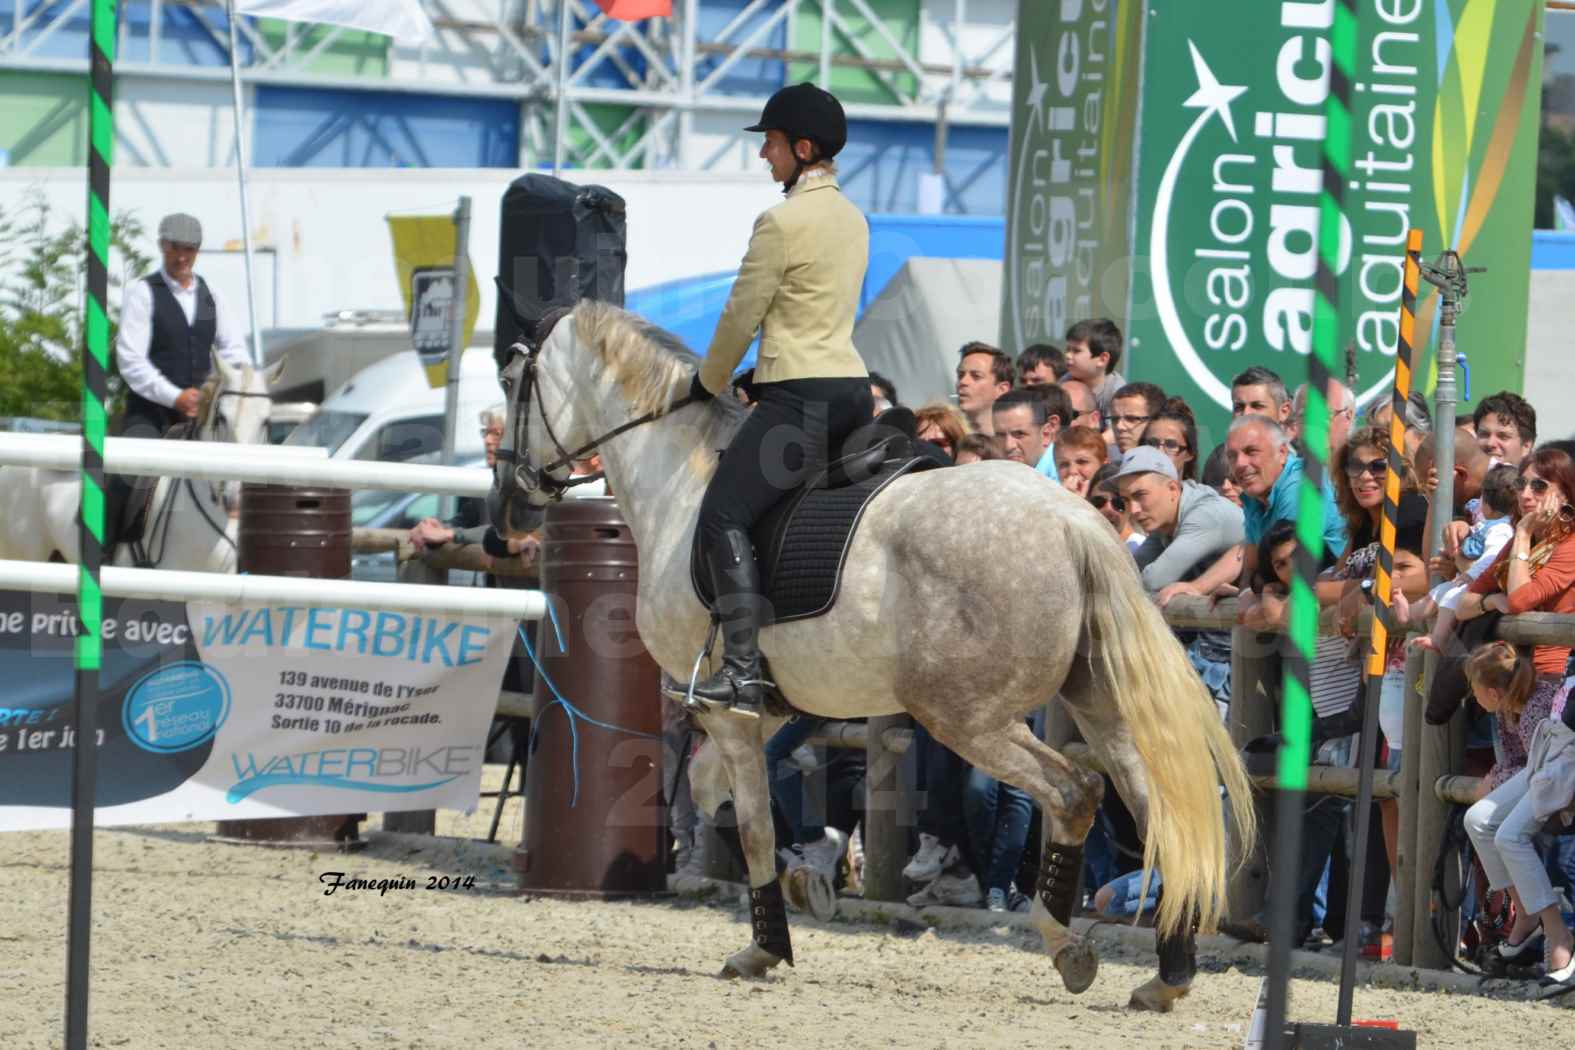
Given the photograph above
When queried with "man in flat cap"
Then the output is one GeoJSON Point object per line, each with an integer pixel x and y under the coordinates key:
{"type": "Point", "coordinates": [170, 325]}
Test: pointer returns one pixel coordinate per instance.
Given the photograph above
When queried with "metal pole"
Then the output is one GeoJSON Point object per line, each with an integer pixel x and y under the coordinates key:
{"type": "Point", "coordinates": [458, 306]}
{"type": "Point", "coordinates": [558, 144]}
{"type": "Point", "coordinates": [90, 523]}
{"type": "Point", "coordinates": [1449, 276]}
{"type": "Point", "coordinates": [825, 47]}
{"type": "Point", "coordinates": [240, 174]}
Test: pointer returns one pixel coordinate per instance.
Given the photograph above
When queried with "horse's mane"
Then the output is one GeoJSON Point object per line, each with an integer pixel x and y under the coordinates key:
{"type": "Point", "coordinates": [649, 364]}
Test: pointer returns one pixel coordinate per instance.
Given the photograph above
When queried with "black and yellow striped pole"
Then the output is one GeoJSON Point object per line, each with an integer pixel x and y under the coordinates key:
{"type": "Point", "coordinates": [1322, 365]}
{"type": "Point", "coordinates": [1382, 620]}
{"type": "Point", "coordinates": [95, 372]}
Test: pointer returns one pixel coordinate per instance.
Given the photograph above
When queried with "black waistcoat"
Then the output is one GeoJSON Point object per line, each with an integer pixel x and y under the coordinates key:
{"type": "Point", "coordinates": [182, 351]}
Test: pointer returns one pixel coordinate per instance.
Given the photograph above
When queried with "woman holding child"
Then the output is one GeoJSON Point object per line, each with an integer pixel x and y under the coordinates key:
{"type": "Point", "coordinates": [1535, 573]}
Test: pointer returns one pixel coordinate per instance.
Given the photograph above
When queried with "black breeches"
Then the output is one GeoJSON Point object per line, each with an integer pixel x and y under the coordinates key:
{"type": "Point", "coordinates": [791, 433]}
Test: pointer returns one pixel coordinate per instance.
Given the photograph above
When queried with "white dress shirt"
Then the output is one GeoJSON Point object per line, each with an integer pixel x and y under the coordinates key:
{"type": "Point", "coordinates": [136, 333]}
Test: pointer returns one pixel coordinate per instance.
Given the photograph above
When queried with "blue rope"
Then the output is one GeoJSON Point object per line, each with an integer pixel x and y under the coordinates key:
{"type": "Point", "coordinates": [569, 709]}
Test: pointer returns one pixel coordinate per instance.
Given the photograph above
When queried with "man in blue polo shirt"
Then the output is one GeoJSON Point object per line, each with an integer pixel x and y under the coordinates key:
{"type": "Point", "coordinates": [1269, 474]}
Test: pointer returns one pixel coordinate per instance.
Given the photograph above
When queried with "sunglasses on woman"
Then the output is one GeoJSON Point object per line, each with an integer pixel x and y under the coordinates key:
{"type": "Point", "coordinates": [1167, 445]}
{"type": "Point", "coordinates": [1375, 467]}
{"type": "Point", "coordinates": [1538, 485]}
{"type": "Point", "coordinates": [1100, 500]}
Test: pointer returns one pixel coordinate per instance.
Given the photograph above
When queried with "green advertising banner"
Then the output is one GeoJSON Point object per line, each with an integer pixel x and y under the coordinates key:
{"type": "Point", "coordinates": [1444, 138]}
{"type": "Point", "coordinates": [1069, 216]}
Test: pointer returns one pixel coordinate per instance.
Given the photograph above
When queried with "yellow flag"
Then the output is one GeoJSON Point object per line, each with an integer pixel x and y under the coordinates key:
{"type": "Point", "coordinates": [424, 264]}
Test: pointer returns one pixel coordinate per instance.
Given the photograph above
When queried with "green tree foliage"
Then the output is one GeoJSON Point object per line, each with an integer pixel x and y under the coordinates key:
{"type": "Point", "coordinates": [1555, 172]}
{"type": "Point", "coordinates": [43, 294]}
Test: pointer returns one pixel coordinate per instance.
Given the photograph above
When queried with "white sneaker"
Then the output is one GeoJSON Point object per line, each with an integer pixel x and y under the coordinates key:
{"type": "Point", "coordinates": [825, 854]}
{"type": "Point", "coordinates": [954, 891]}
{"type": "Point", "coordinates": [996, 901]}
{"type": "Point", "coordinates": [930, 861]}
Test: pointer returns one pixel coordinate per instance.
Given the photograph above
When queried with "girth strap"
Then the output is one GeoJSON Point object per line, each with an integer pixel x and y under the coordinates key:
{"type": "Point", "coordinates": [1059, 873]}
{"type": "Point", "coordinates": [768, 920]}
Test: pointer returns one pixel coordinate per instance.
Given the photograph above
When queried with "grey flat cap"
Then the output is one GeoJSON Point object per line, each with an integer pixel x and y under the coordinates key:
{"type": "Point", "coordinates": [180, 228]}
{"type": "Point", "coordinates": [1145, 459]}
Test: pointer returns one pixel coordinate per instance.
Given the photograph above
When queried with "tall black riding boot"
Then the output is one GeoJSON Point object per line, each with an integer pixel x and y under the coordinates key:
{"type": "Point", "coordinates": [741, 608]}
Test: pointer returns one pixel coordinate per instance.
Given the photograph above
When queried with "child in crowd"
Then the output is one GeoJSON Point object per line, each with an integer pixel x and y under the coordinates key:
{"type": "Point", "coordinates": [977, 448]}
{"type": "Point", "coordinates": [1478, 552]}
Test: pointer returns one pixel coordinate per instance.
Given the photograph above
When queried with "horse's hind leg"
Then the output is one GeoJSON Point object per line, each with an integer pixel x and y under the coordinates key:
{"type": "Point", "coordinates": [1093, 712]}
{"type": "Point", "coordinates": [743, 756]}
{"type": "Point", "coordinates": [1068, 797]}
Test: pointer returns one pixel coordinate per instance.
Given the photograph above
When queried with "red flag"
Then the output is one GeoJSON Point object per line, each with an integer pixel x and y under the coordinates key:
{"type": "Point", "coordinates": [634, 10]}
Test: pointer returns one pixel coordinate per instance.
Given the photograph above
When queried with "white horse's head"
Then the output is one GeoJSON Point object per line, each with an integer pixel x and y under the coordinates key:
{"type": "Point", "coordinates": [233, 407]}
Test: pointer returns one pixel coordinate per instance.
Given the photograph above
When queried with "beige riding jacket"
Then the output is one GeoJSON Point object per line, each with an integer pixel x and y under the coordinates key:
{"type": "Point", "coordinates": [799, 287]}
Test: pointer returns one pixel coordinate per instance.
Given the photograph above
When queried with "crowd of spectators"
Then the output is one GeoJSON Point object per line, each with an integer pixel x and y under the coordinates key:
{"type": "Point", "coordinates": [1213, 516]}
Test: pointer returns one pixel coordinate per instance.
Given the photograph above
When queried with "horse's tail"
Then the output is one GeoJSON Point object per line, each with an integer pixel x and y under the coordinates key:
{"type": "Point", "coordinates": [1176, 731]}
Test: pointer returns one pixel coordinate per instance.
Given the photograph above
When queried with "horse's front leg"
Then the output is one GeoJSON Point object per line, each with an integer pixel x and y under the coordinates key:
{"type": "Point", "coordinates": [743, 756]}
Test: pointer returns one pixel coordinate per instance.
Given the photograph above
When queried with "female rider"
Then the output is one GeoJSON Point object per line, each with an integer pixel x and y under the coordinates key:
{"type": "Point", "coordinates": [798, 286]}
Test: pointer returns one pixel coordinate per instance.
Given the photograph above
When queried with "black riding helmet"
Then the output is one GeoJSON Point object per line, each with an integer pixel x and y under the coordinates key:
{"type": "Point", "coordinates": [804, 111]}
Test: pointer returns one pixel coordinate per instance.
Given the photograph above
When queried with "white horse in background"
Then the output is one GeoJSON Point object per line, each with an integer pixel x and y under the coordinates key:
{"type": "Point", "coordinates": [930, 619]}
{"type": "Point", "coordinates": [188, 524]}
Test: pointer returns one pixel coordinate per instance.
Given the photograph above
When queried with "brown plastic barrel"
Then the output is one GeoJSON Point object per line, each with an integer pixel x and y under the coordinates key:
{"type": "Point", "coordinates": [611, 840]}
{"type": "Point", "coordinates": [295, 531]}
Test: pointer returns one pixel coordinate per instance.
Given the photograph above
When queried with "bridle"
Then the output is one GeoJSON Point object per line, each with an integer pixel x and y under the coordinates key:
{"type": "Point", "coordinates": [156, 532]}
{"type": "Point", "coordinates": [531, 479]}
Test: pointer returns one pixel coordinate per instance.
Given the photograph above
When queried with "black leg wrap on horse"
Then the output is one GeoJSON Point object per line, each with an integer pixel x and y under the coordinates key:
{"type": "Point", "coordinates": [1059, 872]}
{"type": "Point", "coordinates": [1178, 958]}
{"type": "Point", "coordinates": [768, 921]}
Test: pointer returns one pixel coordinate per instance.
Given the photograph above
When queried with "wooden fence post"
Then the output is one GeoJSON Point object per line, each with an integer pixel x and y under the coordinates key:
{"type": "Point", "coordinates": [1251, 715]}
{"type": "Point", "coordinates": [1442, 752]}
{"type": "Point", "coordinates": [885, 838]}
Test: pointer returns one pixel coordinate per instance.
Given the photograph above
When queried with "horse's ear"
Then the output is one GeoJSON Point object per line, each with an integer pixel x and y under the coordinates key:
{"type": "Point", "coordinates": [220, 365]}
{"type": "Point", "coordinates": [272, 373]}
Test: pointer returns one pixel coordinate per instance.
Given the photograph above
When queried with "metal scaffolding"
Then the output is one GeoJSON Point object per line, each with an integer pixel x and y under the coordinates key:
{"type": "Point", "coordinates": [663, 73]}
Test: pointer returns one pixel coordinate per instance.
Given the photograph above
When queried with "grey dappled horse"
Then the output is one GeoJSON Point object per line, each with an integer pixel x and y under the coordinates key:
{"type": "Point", "coordinates": [971, 596]}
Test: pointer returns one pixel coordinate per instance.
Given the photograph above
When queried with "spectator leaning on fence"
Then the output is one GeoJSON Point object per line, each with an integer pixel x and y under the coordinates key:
{"type": "Point", "coordinates": [1503, 823]}
{"type": "Point", "coordinates": [1506, 427]}
{"type": "Point", "coordinates": [983, 374]}
{"type": "Point", "coordinates": [1131, 410]}
{"type": "Point", "coordinates": [1269, 475]}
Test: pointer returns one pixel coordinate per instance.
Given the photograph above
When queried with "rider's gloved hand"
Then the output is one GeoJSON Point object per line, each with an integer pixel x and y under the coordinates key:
{"type": "Point", "coordinates": [697, 389]}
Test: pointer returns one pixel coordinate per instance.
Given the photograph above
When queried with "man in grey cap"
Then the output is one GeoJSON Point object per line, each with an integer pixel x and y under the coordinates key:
{"type": "Point", "coordinates": [170, 324]}
{"type": "Point", "coordinates": [1194, 533]}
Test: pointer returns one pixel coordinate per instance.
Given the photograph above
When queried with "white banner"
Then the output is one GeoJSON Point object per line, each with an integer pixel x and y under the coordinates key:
{"type": "Point", "coordinates": [214, 712]}
{"type": "Point", "coordinates": [404, 20]}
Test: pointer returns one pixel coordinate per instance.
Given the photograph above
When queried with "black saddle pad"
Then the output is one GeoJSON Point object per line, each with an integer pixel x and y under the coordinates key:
{"type": "Point", "coordinates": [802, 543]}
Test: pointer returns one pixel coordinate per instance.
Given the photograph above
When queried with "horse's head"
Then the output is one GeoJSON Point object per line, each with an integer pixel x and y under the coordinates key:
{"type": "Point", "coordinates": [538, 383]}
{"type": "Point", "coordinates": [233, 406]}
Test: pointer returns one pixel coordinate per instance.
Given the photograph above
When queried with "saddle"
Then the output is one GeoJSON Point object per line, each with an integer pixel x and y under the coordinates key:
{"type": "Point", "coordinates": [802, 543]}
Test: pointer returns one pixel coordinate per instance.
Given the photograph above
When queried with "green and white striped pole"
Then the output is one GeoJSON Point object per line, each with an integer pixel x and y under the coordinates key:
{"type": "Point", "coordinates": [1322, 365]}
{"type": "Point", "coordinates": [95, 372]}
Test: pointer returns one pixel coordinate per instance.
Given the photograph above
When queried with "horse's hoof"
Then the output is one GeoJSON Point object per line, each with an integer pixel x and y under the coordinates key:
{"type": "Point", "coordinates": [822, 896]}
{"type": "Point", "coordinates": [1157, 996]}
{"type": "Point", "coordinates": [750, 964]}
{"type": "Point", "coordinates": [1078, 964]}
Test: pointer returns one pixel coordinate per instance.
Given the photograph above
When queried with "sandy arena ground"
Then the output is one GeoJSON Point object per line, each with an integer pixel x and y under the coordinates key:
{"type": "Point", "coordinates": [201, 945]}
